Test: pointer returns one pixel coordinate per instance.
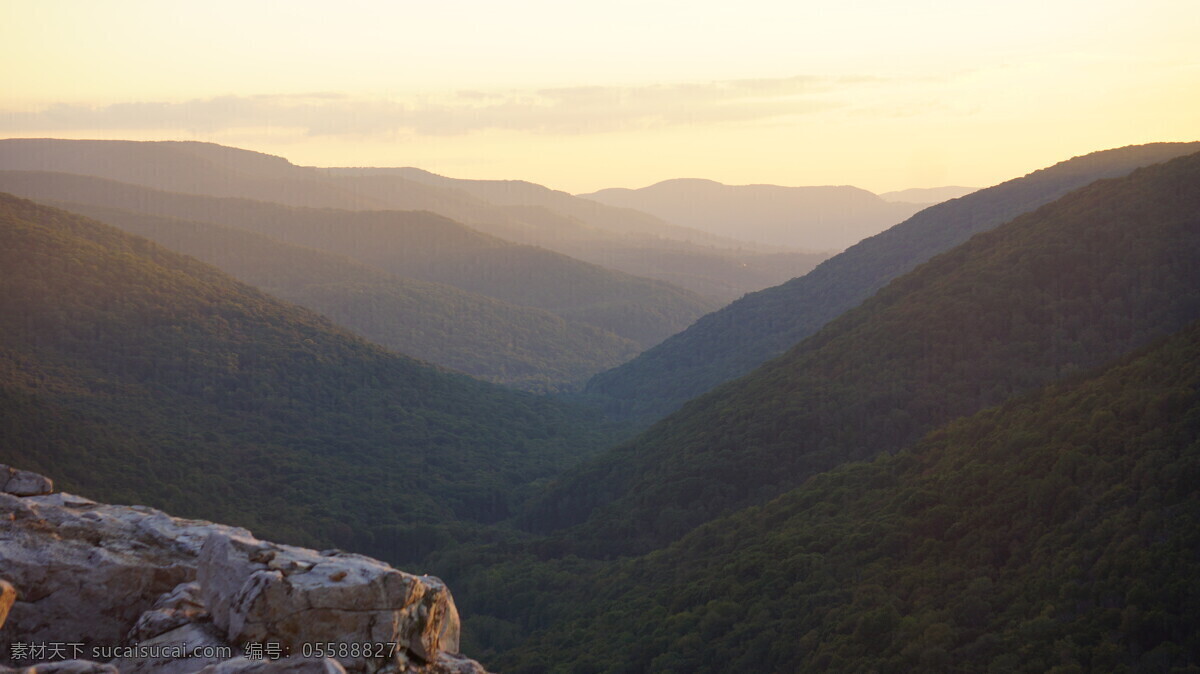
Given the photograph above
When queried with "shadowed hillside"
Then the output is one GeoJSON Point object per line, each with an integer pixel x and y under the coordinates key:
{"type": "Point", "coordinates": [486, 338]}
{"type": "Point", "coordinates": [134, 374]}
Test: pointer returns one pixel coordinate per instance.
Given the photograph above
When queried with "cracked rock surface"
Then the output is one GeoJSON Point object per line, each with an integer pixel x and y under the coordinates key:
{"type": "Point", "coordinates": [260, 592]}
{"type": "Point", "coordinates": [102, 576]}
{"type": "Point", "coordinates": [22, 482]}
{"type": "Point", "coordinates": [84, 572]}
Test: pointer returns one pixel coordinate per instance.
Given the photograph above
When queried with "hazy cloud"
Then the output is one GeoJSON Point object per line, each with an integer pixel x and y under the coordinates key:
{"type": "Point", "coordinates": [568, 110]}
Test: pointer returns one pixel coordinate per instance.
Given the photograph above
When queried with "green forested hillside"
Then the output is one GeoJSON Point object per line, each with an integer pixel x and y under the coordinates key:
{"type": "Point", "coordinates": [1059, 532]}
{"type": "Point", "coordinates": [486, 338]}
{"type": "Point", "coordinates": [131, 373]}
{"type": "Point", "coordinates": [1077, 282]}
{"type": "Point", "coordinates": [412, 244]}
{"type": "Point", "coordinates": [733, 341]}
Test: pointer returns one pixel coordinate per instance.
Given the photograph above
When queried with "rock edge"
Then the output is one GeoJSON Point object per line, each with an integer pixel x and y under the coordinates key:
{"type": "Point", "coordinates": [132, 589]}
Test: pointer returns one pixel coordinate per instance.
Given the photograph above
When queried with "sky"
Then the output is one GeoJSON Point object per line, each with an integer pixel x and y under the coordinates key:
{"type": "Point", "coordinates": [581, 96]}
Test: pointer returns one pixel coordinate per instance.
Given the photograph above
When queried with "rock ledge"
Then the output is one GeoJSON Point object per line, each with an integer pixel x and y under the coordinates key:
{"type": "Point", "coordinates": [144, 592]}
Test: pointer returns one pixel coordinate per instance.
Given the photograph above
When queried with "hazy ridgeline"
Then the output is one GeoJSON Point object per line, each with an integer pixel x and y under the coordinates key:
{"type": "Point", "coordinates": [829, 218]}
{"type": "Point", "coordinates": [414, 244]}
{"type": "Point", "coordinates": [625, 240]}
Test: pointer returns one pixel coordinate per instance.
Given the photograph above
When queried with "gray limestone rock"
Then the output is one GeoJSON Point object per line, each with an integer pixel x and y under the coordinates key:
{"type": "Point", "coordinates": [87, 571]}
{"type": "Point", "coordinates": [178, 607]}
{"type": "Point", "coordinates": [262, 592]}
{"type": "Point", "coordinates": [191, 595]}
{"type": "Point", "coordinates": [183, 650]}
{"type": "Point", "coordinates": [447, 663]}
{"type": "Point", "coordinates": [23, 482]}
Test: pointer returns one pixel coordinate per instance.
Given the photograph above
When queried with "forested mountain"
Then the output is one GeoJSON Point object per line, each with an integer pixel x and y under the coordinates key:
{"type": "Point", "coordinates": [486, 338]}
{"type": "Point", "coordinates": [413, 244]}
{"type": "Point", "coordinates": [1071, 285]}
{"type": "Point", "coordinates": [733, 341]}
{"type": "Point", "coordinates": [135, 374]}
{"type": "Point", "coordinates": [1058, 532]}
{"type": "Point", "coordinates": [816, 218]}
{"type": "Point", "coordinates": [620, 239]}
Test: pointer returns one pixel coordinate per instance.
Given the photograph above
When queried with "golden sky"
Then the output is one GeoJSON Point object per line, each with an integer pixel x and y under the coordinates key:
{"type": "Point", "coordinates": [580, 96]}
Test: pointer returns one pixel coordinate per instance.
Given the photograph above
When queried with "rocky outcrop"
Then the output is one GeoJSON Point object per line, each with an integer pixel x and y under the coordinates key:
{"type": "Point", "coordinates": [259, 592]}
{"type": "Point", "coordinates": [176, 608]}
{"type": "Point", "coordinates": [146, 593]}
{"type": "Point", "coordinates": [23, 482]}
{"type": "Point", "coordinates": [65, 554]}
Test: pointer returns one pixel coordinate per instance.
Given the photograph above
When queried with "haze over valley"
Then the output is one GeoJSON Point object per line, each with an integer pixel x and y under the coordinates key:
{"type": "Point", "coordinates": [471, 338]}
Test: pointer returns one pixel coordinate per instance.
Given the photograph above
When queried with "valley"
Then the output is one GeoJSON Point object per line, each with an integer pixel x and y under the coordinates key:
{"type": "Point", "coordinates": [966, 442]}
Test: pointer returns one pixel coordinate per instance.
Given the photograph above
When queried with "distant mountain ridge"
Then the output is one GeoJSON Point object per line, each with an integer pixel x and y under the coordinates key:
{"type": "Point", "coordinates": [620, 238]}
{"type": "Point", "coordinates": [418, 245]}
{"type": "Point", "coordinates": [635, 243]}
{"type": "Point", "coordinates": [928, 195]}
{"type": "Point", "coordinates": [182, 166]}
{"type": "Point", "coordinates": [821, 218]}
{"type": "Point", "coordinates": [734, 340]}
{"type": "Point", "coordinates": [598, 215]}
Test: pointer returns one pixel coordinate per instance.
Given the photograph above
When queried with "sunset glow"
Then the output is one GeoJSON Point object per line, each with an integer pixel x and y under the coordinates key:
{"type": "Point", "coordinates": [878, 94]}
